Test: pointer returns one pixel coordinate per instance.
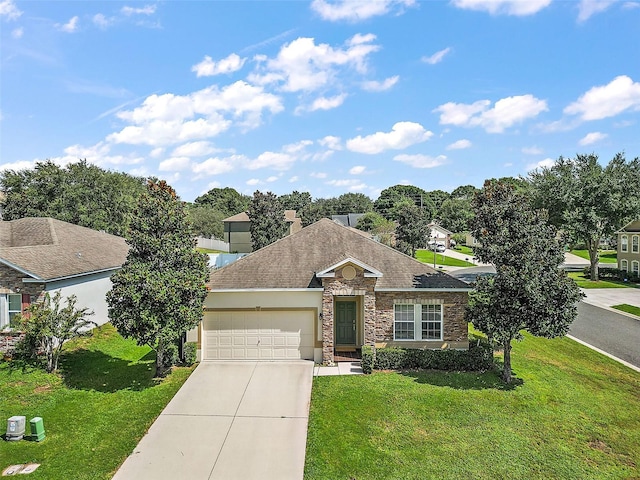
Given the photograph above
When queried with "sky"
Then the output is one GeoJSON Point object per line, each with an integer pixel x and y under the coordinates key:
{"type": "Point", "coordinates": [323, 96]}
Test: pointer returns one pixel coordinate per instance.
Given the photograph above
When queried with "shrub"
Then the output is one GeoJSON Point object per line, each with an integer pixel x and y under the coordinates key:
{"type": "Point", "coordinates": [190, 353]}
{"type": "Point", "coordinates": [613, 274]}
{"type": "Point", "coordinates": [170, 355]}
{"type": "Point", "coordinates": [479, 357]}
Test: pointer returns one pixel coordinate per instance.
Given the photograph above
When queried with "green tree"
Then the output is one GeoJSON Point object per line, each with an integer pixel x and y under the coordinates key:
{"type": "Point", "coordinates": [455, 214]}
{"type": "Point", "coordinates": [438, 197]}
{"type": "Point", "coordinates": [466, 192]}
{"type": "Point", "coordinates": [158, 293]}
{"type": "Point", "coordinates": [319, 208]}
{"type": "Point", "coordinates": [206, 221]}
{"type": "Point", "coordinates": [295, 201]}
{"type": "Point", "coordinates": [226, 200]}
{"type": "Point", "coordinates": [48, 326]}
{"type": "Point", "coordinates": [412, 229]}
{"type": "Point", "coordinates": [588, 201]}
{"type": "Point", "coordinates": [379, 226]}
{"type": "Point", "coordinates": [80, 193]}
{"type": "Point", "coordinates": [353, 203]}
{"type": "Point", "coordinates": [529, 291]}
{"type": "Point", "coordinates": [267, 220]}
{"type": "Point", "coordinates": [392, 199]}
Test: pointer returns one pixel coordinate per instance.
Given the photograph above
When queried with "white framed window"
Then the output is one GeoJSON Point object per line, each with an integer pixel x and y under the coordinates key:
{"type": "Point", "coordinates": [635, 247]}
{"type": "Point", "coordinates": [10, 306]}
{"type": "Point", "coordinates": [428, 326]}
{"type": "Point", "coordinates": [635, 267]}
{"type": "Point", "coordinates": [624, 265]}
{"type": "Point", "coordinates": [624, 243]}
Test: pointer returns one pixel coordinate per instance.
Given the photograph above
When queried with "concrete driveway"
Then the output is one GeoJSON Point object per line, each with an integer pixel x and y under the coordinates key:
{"type": "Point", "coordinates": [230, 420]}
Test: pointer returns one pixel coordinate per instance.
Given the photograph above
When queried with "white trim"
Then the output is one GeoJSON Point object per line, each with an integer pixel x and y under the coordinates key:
{"type": "Point", "coordinates": [417, 323]}
{"type": "Point", "coordinates": [21, 270]}
{"type": "Point", "coordinates": [635, 267]}
{"type": "Point", "coordinates": [635, 247]}
{"type": "Point", "coordinates": [624, 265]}
{"type": "Point", "coordinates": [329, 272]}
{"type": "Point", "coordinates": [624, 245]}
{"type": "Point", "coordinates": [76, 275]}
{"type": "Point", "coordinates": [426, 290]}
{"type": "Point", "coordinates": [247, 290]}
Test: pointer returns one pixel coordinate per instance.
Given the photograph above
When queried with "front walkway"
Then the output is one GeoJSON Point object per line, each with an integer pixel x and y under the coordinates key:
{"type": "Point", "coordinates": [340, 368]}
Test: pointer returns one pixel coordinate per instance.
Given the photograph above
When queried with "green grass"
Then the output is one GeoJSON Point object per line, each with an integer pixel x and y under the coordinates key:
{"type": "Point", "coordinates": [633, 310]}
{"type": "Point", "coordinates": [606, 256]}
{"type": "Point", "coordinates": [426, 256]}
{"type": "Point", "coordinates": [94, 411]}
{"type": "Point", "coordinates": [208, 250]}
{"type": "Point", "coordinates": [584, 282]}
{"type": "Point", "coordinates": [572, 414]}
{"type": "Point", "coordinates": [464, 250]}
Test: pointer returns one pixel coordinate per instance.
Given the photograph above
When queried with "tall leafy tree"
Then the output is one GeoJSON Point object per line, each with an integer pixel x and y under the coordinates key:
{"type": "Point", "coordinates": [158, 293]}
{"type": "Point", "coordinates": [588, 201]}
{"type": "Point", "coordinates": [319, 208]}
{"type": "Point", "coordinates": [79, 193]}
{"type": "Point", "coordinates": [379, 226]}
{"type": "Point", "coordinates": [353, 203]}
{"type": "Point", "coordinates": [295, 200]}
{"type": "Point", "coordinates": [529, 292]}
{"type": "Point", "coordinates": [438, 197]}
{"type": "Point", "coordinates": [412, 229]}
{"type": "Point", "coordinates": [465, 191]}
{"type": "Point", "coordinates": [206, 221]}
{"type": "Point", "coordinates": [455, 214]}
{"type": "Point", "coordinates": [392, 199]}
{"type": "Point", "coordinates": [226, 200]}
{"type": "Point", "coordinates": [267, 219]}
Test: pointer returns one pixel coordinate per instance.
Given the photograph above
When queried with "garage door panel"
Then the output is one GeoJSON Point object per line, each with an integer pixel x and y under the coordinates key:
{"type": "Point", "coordinates": [258, 335]}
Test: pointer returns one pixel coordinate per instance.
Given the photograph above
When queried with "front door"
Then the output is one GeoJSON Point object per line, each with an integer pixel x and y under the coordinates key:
{"type": "Point", "coordinates": [345, 323]}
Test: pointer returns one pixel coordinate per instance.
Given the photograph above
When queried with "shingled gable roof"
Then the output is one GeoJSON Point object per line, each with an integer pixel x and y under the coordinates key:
{"type": "Point", "coordinates": [293, 261]}
{"type": "Point", "coordinates": [289, 216]}
{"type": "Point", "coordinates": [47, 249]}
{"type": "Point", "coordinates": [631, 227]}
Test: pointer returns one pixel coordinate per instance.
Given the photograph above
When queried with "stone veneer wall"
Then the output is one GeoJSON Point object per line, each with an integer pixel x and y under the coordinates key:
{"type": "Point", "coordinates": [455, 327]}
{"type": "Point", "coordinates": [339, 286]}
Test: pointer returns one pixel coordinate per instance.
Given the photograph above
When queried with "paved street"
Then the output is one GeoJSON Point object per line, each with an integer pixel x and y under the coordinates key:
{"type": "Point", "coordinates": [607, 330]}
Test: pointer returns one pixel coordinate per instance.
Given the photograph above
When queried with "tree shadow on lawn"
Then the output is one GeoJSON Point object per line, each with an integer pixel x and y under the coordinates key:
{"type": "Point", "coordinates": [94, 370]}
{"type": "Point", "coordinates": [464, 380]}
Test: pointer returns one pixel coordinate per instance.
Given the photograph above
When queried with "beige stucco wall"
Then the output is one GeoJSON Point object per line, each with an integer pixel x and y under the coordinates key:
{"type": "Point", "coordinates": [629, 256]}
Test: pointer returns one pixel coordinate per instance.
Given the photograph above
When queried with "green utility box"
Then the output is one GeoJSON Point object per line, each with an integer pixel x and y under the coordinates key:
{"type": "Point", "coordinates": [37, 429]}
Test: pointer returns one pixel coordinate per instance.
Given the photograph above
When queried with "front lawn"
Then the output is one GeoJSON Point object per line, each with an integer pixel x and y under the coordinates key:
{"type": "Point", "coordinates": [464, 250]}
{"type": "Point", "coordinates": [584, 282]}
{"type": "Point", "coordinates": [426, 256]}
{"type": "Point", "coordinates": [606, 256]}
{"type": "Point", "coordinates": [572, 413]}
{"type": "Point", "coordinates": [95, 411]}
{"type": "Point", "coordinates": [632, 309]}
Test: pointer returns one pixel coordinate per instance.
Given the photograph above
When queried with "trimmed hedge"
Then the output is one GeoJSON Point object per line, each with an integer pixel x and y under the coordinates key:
{"type": "Point", "coordinates": [613, 274]}
{"type": "Point", "coordinates": [190, 353]}
{"type": "Point", "coordinates": [479, 357]}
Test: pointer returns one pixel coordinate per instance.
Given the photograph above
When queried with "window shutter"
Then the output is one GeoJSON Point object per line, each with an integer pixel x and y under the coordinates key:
{"type": "Point", "coordinates": [26, 301]}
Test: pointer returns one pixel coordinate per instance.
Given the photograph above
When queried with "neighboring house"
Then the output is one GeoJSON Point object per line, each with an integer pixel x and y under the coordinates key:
{"type": "Point", "coordinates": [348, 220]}
{"type": "Point", "coordinates": [470, 241]}
{"type": "Point", "coordinates": [328, 288]}
{"type": "Point", "coordinates": [629, 247]}
{"type": "Point", "coordinates": [39, 255]}
{"type": "Point", "coordinates": [237, 232]}
{"type": "Point", "coordinates": [439, 234]}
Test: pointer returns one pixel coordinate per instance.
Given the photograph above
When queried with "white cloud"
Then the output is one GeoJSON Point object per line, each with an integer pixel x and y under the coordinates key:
{"type": "Point", "coordinates": [587, 8]}
{"type": "Point", "coordinates": [157, 152]}
{"type": "Point", "coordinates": [17, 32]}
{"type": "Point", "coordinates": [253, 181]}
{"type": "Point", "coordinates": [375, 86]}
{"type": "Point", "coordinates": [421, 161]}
{"type": "Point", "coordinates": [607, 100]}
{"type": "Point", "coordinates": [532, 150]}
{"type": "Point", "coordinates": [459, 145]}
{"type": "Point", "coordinates": [175, 163]}
{"type": "Point", "coordinates": [304, 66]}
{"type": "Point", "coordinates": [546, 163]}
{"type": "Point", "coordinates": [102, 21]}
{"type": "Point", "coordinates": [293, 179]}
{"type": "Point", "coordinates": [402, 135]}
{"type": "Point", "coordinates": [194, 149]}
{"type": "Point", "coordinates": [357, 170]}
{"type": "Point", "coordinates": [9, 10]}
{"type": "Point", "coordinates": [209, 68]}
{"type": "Point", "coordinates": [507, 7]}
{"type": "Point", "coordinates": [436, 57]}
{"type": "Point", "coordinates": [352, 185]}
{"type": "Point", "coordinates": [631, 5]}
{"type": "Point", "coordinates": [592, 137]}
{"type": "Point", "coordinates": [70, 27]}
{"type": "Point", "coordinates": [274, 160]}
{"type": "Point", "coordinates": [146, 10]}
{"type": "Point", "coordinates": [331, 142]}
{"type": "Point", "coordinates": [504, 114]}
{"type": "Point", "coordinates": [98, 154]}
{"type": "Point", "coordinates": [19, 165]}
{"type": "Point", "coordinates": [355, 10]}
{"type": "Point", "coordinates": [272, 179]}
{"type": "Point", "coordinates": [324, 103]}
{"type": "Point", "coordinates": [319, 175]}
{"type": "Point", "coordinates": [169, 119]}
{"type": "Point", "coordinates": [216, 166]}
{"type": "Point", "coordinates": [297, 148]}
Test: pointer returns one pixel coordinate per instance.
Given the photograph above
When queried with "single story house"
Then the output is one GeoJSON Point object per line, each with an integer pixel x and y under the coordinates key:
{"type": "Point", "coordinates": [237, 230]}
{"type": "Point", "coordinates": [629, 247]}
{"type": "Point", "coordinates": [324, 289]}
{"type": "Point", "coordinates": [39, 255]}
{"type": "Point", "coordinates": [439, 234]}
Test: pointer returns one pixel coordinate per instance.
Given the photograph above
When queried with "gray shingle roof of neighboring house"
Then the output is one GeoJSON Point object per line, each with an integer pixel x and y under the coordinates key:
{"type": "Point", "coordinates": [293, 261]}
{"type": "Point", "coordinates": [289, 216]}
{"type": "Point", "coordinates": [47, 249]}
{"type": "Point", "coordinates": [348, 220]}
{"type": "Point", "coordinates": [633, 226]}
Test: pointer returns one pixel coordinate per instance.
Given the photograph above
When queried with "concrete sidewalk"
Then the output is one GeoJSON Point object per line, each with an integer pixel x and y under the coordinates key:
{"type": "Point", "coordinates": [340, 368]}
{"type": "Point", "coordinates": [244, 420]}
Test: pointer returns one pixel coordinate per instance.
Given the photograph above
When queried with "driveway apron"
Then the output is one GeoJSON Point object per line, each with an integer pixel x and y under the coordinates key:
{"type": "Point", "coordinates": [230, 420]}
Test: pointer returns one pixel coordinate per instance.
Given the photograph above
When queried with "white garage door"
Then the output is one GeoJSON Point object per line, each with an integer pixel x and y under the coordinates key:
{"type": "Point", "coordinates": [258, 335]}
